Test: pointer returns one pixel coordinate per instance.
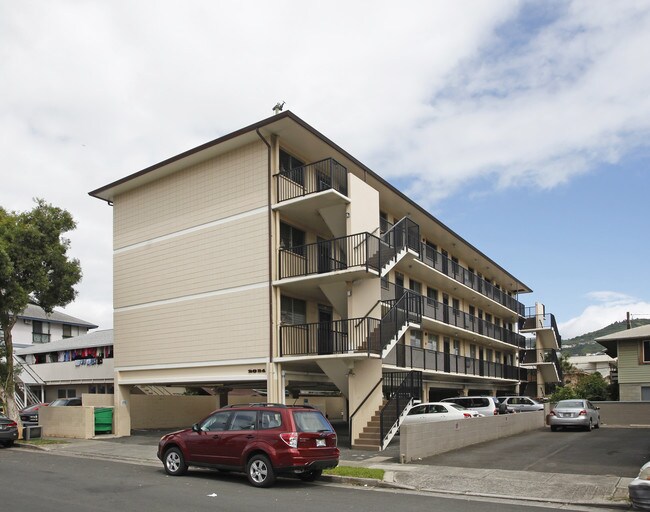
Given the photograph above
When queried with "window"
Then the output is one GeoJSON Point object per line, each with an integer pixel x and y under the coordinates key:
{"type": "Point", "coordinates": [243, 420]}
{"type": "Point", "coordinates": [472, 351]}
{"type": "Point", "coordinates": [415, 286]}
{"type": "Point", "coordinates": [67, 331]}
{"type": "Point", "coordinates": [456, 347]}
{"type": "Point", "coordinates": [271, 419]}
{"type": "Point", "coordinates": [292, 168]}
{"type": "Point", "coordinates": [217, 421]}
{"type": "Point", "coordinates": [432, 343]}
{"type": "Point", "coordinates": [293, 311]}
{"type": "Point", "coordinates": [488, 355]}
{"type": "Point", "coordinates": [416, 338]}
{"type": "Point", "coordinates": [432, 296]}
{"type": "Point", "coordinates": [292, 238]}
{"type": "Point", "coordinates": [40, 332]}
{"type": "Point", "coordinates": [645, 352]}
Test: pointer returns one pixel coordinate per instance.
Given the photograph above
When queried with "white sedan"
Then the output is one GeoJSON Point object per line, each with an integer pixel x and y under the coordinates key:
{"type": "Point", "coordinates": [438, 411]}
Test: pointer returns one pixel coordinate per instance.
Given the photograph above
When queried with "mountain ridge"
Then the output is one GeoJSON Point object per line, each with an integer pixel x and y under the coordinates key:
{"type": "Point", "coordinates": [585, 344]}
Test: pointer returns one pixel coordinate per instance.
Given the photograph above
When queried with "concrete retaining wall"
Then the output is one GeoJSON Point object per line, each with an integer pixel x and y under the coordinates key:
{"type": "Point", "coordinates": [73, 422]}
{"type": "Point", "coordinates": [426, 439]}
{"type": "Point", "coordinates": [624, 413]}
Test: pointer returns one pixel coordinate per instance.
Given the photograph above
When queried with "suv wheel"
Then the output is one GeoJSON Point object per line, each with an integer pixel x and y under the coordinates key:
{"type": "Point", "coordinates": [310, 476]}
{"type": "Point", "coordinates": [175, 462]}
{"type": "Point", "coordinates": [259, 471]}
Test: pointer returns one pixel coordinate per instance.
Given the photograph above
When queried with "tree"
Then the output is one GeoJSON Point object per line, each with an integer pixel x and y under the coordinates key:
{"type": "Point", "coordinates": [34, 267]}
{"type": "Point", "coordinates": [562, 393]}
{"type": "Point", "coordinates": [592, 387]}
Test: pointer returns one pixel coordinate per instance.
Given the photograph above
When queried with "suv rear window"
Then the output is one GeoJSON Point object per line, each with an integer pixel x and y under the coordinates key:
{"type": "Point", "coordinates": [311, 421]}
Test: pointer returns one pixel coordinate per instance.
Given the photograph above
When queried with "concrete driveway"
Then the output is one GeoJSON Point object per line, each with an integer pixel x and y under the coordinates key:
{"type": "Point", "coordinates": [604, 451]}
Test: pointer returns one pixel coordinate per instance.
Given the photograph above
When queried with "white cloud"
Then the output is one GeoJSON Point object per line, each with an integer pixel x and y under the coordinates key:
{"type": "Point", "coordinates": [610, 307]}
{"type": "Point", "coordinates": [432, 91]}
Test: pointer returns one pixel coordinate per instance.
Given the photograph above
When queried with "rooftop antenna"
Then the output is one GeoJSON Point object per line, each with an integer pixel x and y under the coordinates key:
{"type": "Point", "coordinates": [278, 107]}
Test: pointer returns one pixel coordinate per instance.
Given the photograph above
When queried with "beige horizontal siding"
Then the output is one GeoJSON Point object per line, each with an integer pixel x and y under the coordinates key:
{"type": "Point", "coordinates": [232, 254]}
{"type": "Point", "coordinates": [214, 189]}
{"type": "Point", "coordinates": [226, 327]}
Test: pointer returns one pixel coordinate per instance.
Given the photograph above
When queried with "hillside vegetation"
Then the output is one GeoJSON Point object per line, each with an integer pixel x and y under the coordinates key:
{"type": "Point", "coordinates": [585, 344]}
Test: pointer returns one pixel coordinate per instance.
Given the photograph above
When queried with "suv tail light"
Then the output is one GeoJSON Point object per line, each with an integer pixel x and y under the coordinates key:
{"type": "Point", "coordinates": [290, 438]}
{"type": "Point", "coordinates": [495, 412]}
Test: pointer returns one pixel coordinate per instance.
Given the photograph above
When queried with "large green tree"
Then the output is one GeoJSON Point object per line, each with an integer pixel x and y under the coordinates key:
{"type": "Point", "coordinates": [34, 267]}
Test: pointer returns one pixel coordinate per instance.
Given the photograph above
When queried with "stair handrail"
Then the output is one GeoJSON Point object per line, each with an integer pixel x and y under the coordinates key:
{"type": "Point", "coordinates": [408, 390]}
{"type": "Point", "coordinates": [406, 225]}
{"type": "Point", "coordinates": [404, 302]}
{"type": "Point", "coordinates": [28, 369]}
{"type": "Point", "coordinates": [361, 405]}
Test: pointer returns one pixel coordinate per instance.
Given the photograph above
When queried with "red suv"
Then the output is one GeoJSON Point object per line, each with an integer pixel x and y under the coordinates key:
{"type": "Point", "coordinates": [264, 440]}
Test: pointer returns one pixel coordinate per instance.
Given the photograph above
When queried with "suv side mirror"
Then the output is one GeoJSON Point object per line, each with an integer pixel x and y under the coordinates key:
{"type": "Point", "coordinates": [196, 428]}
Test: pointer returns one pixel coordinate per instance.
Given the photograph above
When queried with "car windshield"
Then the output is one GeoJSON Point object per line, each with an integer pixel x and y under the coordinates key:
{"type": "Point", "coordinates": [60, 401]}
{"type": "Point", "coordinates": [311, 421]}
{"type": "Point", "coordinates": [570, 404]}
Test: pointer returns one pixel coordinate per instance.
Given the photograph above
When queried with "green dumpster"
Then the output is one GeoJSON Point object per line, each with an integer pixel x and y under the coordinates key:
{"type": "Point", "coordinates": [103, 420]}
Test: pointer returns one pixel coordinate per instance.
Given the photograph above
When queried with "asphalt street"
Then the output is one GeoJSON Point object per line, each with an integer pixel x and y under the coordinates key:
{"type": "Point", "coordinates": [605, 451]}
{"type": "Point", "coordinates": [45, 482]}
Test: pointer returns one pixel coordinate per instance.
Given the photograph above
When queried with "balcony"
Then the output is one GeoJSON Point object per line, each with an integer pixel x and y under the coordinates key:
{"type": "Point", "coordinates": [544, 326]}
{"type": "Point", "coordinates": [350, 336]}
{"type": "Point", "coordinates": [405, 356]}
{"type": "Point", "coordinates": [439, 312]}
{"type": "Point", "coordinates": [312, 178]}
{"type": "Point", "coordinates": [454, 270]}
{"type": "Point", "coordinates": [362, 252]}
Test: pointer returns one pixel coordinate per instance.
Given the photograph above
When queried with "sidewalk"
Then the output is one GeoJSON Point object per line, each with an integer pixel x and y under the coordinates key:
{"type": "Point", "coordinates": [586, 490]}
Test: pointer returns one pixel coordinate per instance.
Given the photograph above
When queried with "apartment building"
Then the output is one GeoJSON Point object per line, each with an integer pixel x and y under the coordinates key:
{"type": "Point", "coordinates": [272, 258]}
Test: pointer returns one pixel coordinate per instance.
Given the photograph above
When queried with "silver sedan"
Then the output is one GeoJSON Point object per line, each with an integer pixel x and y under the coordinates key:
{"type": "Point", "coordinates": [574, 413]}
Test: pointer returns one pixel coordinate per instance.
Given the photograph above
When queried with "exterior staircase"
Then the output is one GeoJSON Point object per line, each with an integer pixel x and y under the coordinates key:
{"type": "Point", "coordinates": [369, 438]}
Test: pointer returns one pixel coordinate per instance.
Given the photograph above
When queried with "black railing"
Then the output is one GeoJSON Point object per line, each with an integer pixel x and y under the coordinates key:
{"type": "Point", "coordinates": [404, 233]}
{"type": "Point", "coordinates": [358, 335]}
{"type": "Point", "coordinates": [311, 178]}
{"type": "Point", "coordinates": [399, 389]}
{"type": "Point", "coordinates": [360, 250]}
{"type": "Point", "coordinates": [406, 356]}
{"type": "Point", "coordinates": [450, 268]}
{"type": "Point", "coordinates": [540, 321]}
{"type": "Point", "coordinates": [431, 308]}
{"type": "Point", "coordinates": [397, 313]}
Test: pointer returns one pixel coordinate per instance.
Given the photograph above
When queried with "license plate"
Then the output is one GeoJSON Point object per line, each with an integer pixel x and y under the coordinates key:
{"type": "Point", "coordinates": [320, 442]}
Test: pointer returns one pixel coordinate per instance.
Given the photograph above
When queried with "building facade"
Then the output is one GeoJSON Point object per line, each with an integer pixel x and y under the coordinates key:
{"type": "Point", "coordinates": [632, 348]}
{"type": "Point", "coordinates": [271, 258]}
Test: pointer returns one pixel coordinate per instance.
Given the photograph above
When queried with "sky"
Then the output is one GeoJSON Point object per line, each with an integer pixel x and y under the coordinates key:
{"type": "Point", "coordinates": [523, 126]}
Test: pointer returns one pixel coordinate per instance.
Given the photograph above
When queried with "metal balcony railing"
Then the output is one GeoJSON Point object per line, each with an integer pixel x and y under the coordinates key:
{"type": "Point", "coordinates": [312, 178]}
{"type": "Point", "coordinates": [360, 250]}
{"type": "Point", "coordinates": [446, 314]}
{"type": "Point", "coordinates": [360, 335]}
{"type": "Point", "coordinates": [450, 268]}
{"type": "Point", "coordinates": [404, 233]}
{"type": "Point", "coordinates": [542, 321]}
{"type": "Point", "coordinates": [405, 356]}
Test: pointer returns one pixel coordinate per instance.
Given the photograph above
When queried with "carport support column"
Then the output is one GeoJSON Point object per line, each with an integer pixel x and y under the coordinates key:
{"type": "Point", "coordinates": [122, 419]}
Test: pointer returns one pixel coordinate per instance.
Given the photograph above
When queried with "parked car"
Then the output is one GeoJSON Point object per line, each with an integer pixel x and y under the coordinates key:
{"type": "Point", "coordinates": [29, 415]}
{"type": "Point", "coordinates": [484, 405]}
{"type": "Point", "coordinates": [639, 488]}
{"type": "Point", "coordinates": [263, 440]}
{"type": "Point", "coordinates": [574, 413]}
{"type": "Point", "coordinates": [437, 411]}
{"type": "Point", "coordinates": [66, 402]}
{"type": "Point", "coordinates": [519, 403]}
{"type": "Point", "coordinates": [8, 431]}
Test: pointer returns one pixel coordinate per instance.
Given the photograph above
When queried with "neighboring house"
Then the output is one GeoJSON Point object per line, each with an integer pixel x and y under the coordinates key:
{"type": "Point", "coordinates": [601, 363]}
{"type": "Point", "coordinates": [272, 259]}
{"type": "Point", "coordinates": [34, 326]}
{"type": "Point", "coordinates": [632, 347]}
{"type": "Point", "coordinates": [67, 368]}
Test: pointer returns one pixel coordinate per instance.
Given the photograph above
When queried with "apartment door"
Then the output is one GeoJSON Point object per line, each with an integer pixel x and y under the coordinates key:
{"type": "Point", "coordinates": [324, 255]}
{"type": "Point", "coordinates": [325, 330]}
{"type": "Point", "coordinates": [399, 285]}
{"type": "Point", "coordinates": [445, 262]}
{"type": "Point", "coordinates": [481, 363]}
{"type": "Point", "coordinates": [447, 355]}
{"type": "Point", "coordinates": [445, 308]}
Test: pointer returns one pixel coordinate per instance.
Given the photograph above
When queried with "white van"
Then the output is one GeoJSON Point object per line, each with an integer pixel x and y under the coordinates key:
{"type": "Point", "coordinates": [485, 405]}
